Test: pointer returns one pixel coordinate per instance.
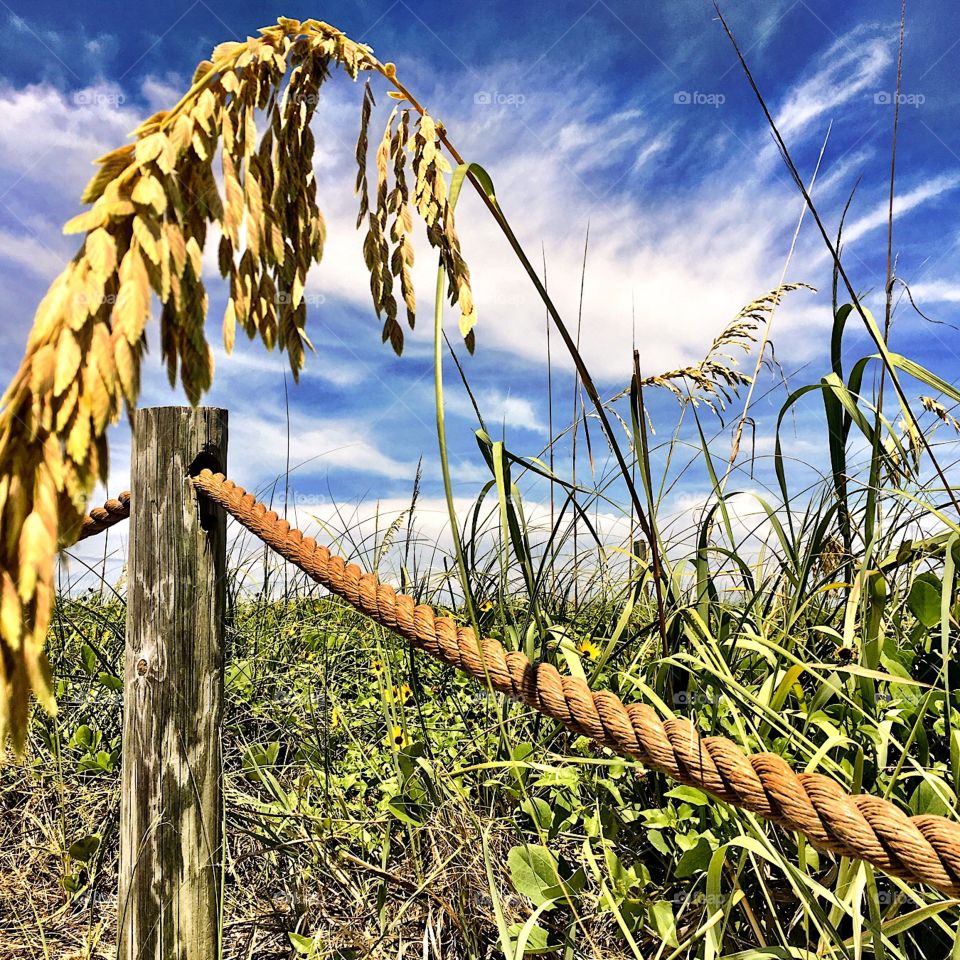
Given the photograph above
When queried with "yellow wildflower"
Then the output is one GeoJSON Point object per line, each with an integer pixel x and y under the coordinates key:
{"type": "Point", "coordinates": [397, 738]}
{"type": "Point", "coordinates": [588, 649]}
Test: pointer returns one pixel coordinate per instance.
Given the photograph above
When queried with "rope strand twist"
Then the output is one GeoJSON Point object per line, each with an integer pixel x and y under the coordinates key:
{"type": "Point", "coordinates": [102, 518]}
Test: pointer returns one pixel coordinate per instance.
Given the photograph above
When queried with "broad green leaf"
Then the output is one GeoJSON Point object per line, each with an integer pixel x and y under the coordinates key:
{"type": "Point", "coordinates": [89, 658]}
{"type": "Point", "coordinates": [662, 920]}
{"type": "Point", "coordinates": [535, 873]}
{"type": "Point", "coordinates": [109, 681]}
{"type": "Point", "coordinates": [929, 797]}
{"type": "Point", "coordinates": [695, 860]}
{"type": "Point", "coordinates": [303, 946]}
{"type": "Point", "coordinates": [532, 939]}
{"type": "Point", "coordinates": [688, 795]}
{"type": "Point", "coordinates": [84, 849]}
{"type": "Point", "coordinates": [539, 811]}
{"type": "Point", "coordinates": [924, 599]}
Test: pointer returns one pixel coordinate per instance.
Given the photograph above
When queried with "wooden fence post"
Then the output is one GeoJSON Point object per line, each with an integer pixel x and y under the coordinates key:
{"type": "Point", "coordinates": [171, 806]}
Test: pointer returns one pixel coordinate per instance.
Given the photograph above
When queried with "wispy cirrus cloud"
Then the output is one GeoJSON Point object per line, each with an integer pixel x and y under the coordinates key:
{"type": "Point", "coordinates": [854, 67]}
{"type": "Point", "coordinates": [903, 203]}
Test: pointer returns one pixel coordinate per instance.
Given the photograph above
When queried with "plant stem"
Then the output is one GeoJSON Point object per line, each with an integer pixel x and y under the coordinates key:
{"type": "Point", "coordinates": [444, 458]}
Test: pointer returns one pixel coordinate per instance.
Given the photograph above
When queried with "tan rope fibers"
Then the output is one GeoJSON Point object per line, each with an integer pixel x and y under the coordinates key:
{"type": "Point", "coordinates": [923, 849]}
{"type": "Point", "coordinates": [100, 518]}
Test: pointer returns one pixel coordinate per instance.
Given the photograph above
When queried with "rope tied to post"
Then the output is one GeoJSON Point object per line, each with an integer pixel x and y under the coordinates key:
{"type": "Point", "coordinates": [921, 849]}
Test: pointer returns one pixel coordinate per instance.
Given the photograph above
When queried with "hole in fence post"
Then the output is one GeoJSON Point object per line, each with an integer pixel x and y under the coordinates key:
{"type": "Point", "coordinates": [207, 459]}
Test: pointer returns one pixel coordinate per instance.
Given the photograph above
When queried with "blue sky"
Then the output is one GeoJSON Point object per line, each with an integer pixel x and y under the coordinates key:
{"type": "Point", "coordinates": [632, 118]}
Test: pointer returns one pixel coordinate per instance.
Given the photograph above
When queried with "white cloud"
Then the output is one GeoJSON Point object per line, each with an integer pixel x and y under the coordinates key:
{"type": "Point", "coordinates": [317, 445]}
{"type": "Point", "coordinates": [853, 67]}
{"type": "Point", "coordinates": [682, 263]}
{"type": "Point", "coordinates": [498, 407]}
{"type": "Point", "coordinates": [159, 93]}
{"type": "Point", "coordinates": [251, 359]}
{"type": "Point", "coordinates": [257, 450]}
{"type": "Point", "coordinates": [577, 140]}
{"type": "Point", "coordinates": [469, 472]}
{"type": "Point", "coordinates": [935, 291]}
{"type": "Point", "coordinates": [31, 255]}
{"type": "Point", "coordinates": [52, 138]}
{"type": "Point", "coordinates": [902, 203]}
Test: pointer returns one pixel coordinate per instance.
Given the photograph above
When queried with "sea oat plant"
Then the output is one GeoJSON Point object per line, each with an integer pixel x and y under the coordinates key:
{"type": "Point", "coordinates": [154, 205]}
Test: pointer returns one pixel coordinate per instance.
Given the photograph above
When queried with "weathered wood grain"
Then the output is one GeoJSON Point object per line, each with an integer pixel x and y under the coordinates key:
{"type": "Point", "coordinates": [171, 803]}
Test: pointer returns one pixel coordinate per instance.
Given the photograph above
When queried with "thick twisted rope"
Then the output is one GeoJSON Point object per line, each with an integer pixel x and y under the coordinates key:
{"type": "Point", "coordinates": [922, 849]}
{"type": "Point", "coordinates": [101, 518]}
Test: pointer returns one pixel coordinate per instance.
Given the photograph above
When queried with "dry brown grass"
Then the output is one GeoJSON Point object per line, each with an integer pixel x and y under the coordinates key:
{"type": "Point", "coordinates": [315, 885]}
